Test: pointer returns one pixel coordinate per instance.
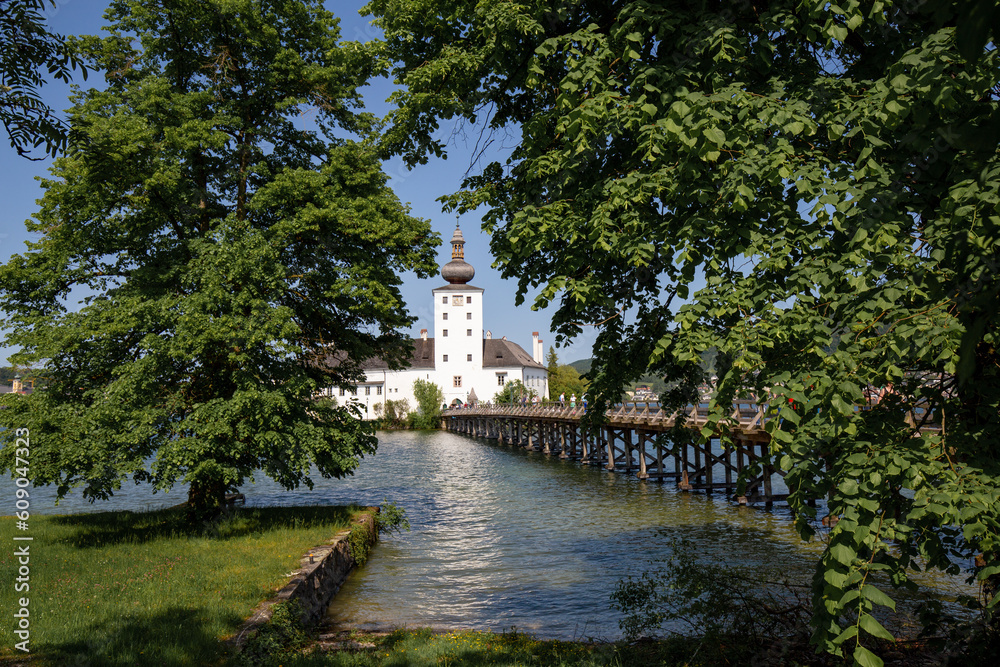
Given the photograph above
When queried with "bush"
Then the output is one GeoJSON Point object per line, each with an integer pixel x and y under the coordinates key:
{"type": "Point", "coordinates": [283, 636]}
{"type": "Point", "coordinates": [391, 518]}
{"type": "Point", "coordinates": [715, 602]}
{"type": "Point", "coordinates": [392, 414]}
{"type": "Point", "coordinates": [360, 542]}
{"type": "Point", "coordinates": [429, 397]}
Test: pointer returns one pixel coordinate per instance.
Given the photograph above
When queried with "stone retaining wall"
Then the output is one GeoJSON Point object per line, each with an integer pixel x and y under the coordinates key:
{"type": "Point", "coordinates": [321, 573]}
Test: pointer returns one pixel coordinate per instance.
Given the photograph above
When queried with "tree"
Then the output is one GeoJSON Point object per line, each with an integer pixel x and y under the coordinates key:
{"type": "Point", "coordinates": [567, 380]}
{"type": "Point", "coordinates": [26, 47]}
{"type": "Point", "coordinates": [429, 399]}
{"type": "Point", "coordinates": [552, 361]}
{"type": "Point", "coordinates": [513, 391]}
{"type": "Point", "coordinates": [237, 264]}
{"type": "Point", "coordinates": [563, 379]}
{"type": "Point", "coordinates": [809, 189]}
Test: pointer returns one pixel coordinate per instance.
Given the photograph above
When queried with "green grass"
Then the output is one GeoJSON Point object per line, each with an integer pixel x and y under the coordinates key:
{"type": "Point", "coordinates": [123, 588]}
{"type": "Point", "coordinates": [424, 648]}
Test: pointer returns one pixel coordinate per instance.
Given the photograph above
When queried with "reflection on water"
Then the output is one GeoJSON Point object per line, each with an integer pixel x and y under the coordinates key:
{"type": "Point", "coordinates": [505, 538]}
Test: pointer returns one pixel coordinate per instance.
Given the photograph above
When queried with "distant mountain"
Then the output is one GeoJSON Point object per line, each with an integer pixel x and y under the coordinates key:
{"type": "Point", "coordinates": [581, 366]}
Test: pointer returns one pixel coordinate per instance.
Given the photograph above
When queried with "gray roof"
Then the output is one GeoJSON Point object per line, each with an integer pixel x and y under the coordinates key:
{"type": "Point", "coordinates": [458, 288]}
{"type": "Point", "coordinates": [497, 353]}
{"type": "Point", "coordinates": [422, 357]}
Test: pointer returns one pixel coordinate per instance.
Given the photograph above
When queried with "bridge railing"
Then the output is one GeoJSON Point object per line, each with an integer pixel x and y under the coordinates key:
{"type": "Point", "coordinates": [746, 414]}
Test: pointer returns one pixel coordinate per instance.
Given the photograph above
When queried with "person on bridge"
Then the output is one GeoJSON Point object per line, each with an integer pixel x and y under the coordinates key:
{"type": "Point", "coordinates": [572, 401]}
{"type": "Point", "coordinates": [562, 400]}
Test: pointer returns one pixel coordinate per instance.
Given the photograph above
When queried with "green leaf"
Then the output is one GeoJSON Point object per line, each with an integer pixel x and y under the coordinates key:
{"type": "Point", "coordinates": [987, 572]}
{"type": "Point", "coordinates": [873, 627]}
{"type": "Point", "coordinates": [843, 554]}
{"type": "Point", "coordinates": [865, 658]}
{"type": "Point", "coordinates": [715, 135]}
{"type": "Point", "coordinates": [848, 487]}
{"type": "Point", "coordinates": [877, 596]}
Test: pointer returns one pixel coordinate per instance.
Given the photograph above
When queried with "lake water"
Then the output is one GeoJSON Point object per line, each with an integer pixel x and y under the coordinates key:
{"type": "Point", "coordinates": [504, 538]}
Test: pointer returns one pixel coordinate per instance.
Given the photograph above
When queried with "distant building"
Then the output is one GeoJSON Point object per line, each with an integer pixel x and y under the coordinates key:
{"type": "Point", "coordinates": [464, 360]}
{"type": "Point", "coordinates": [18, 387]}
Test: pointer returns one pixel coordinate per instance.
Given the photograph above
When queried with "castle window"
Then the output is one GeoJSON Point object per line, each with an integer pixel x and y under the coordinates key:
{"type": "Point", "coordinates": [501, 379]}
{"type": "Point", "coordinates": [468, 299]}
{"type": "Point", "coordinates": [444, 316]}
{"type": "Point", "coordinates": [468, 357]}
{"type": "Point", "coordinates": [444, 300]}
{"type": "Point", "coordinates": [341, 391]}
{"type": "Point", "coordinates": [444, 357]}
{"type": "Point", "coordinates": [468, 332]}
{"type": "Point", "coordinates": [468, 316]}
{"type": "Point", "coordinates": [368, 391]}
{"type": "Point", "coordinates": [378, 390]}
{"type": "Point", "coordinates": [458, 380]}
{"type": "Point", "coordinates": [444, 333]}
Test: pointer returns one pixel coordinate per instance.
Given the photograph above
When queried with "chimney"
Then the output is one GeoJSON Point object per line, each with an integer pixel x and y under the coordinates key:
{"type": "Point", "coordinates": [423, 334]}
{"type": "Point", "coordinates": [536, 347]}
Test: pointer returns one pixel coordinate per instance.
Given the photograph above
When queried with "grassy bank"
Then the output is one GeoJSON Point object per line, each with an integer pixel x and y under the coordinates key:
{"type": "Point", "coordinates": [424, 648]}
{"type": "Point", "coordinates": [123, 588]}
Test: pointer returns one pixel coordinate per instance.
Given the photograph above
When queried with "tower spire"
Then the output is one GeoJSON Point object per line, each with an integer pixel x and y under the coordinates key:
{"type": "Point", "coordinates": [458, 271]}
{"type": "Point", "coordinates": [457, 243]}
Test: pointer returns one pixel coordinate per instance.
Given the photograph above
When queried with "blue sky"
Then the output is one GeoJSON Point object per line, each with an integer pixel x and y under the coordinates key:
{"type": "Point", "coordinates": [420, 188]}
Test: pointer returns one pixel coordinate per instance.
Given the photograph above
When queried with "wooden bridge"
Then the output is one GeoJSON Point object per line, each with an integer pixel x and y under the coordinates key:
{"type": "Point", "coordinates": [634, 439]}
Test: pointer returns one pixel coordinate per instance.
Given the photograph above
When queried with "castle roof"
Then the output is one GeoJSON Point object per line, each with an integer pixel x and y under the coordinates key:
{"type": "Point", "coordinates": [497, 353]}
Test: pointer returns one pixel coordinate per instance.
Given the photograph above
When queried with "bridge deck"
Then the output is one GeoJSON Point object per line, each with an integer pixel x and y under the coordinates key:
{"type": "Point", "coordinates": [631, 440]}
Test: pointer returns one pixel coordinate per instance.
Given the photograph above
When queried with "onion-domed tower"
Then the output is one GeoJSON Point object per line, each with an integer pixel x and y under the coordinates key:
{"type": "Point", "coordinates": [458, 325]}
{"type": "Point", "coordinates": [458, 271]}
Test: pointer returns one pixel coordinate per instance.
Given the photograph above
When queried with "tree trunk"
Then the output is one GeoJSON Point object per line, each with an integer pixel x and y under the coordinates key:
{"type": "Point", "coordinates": [206, 498]}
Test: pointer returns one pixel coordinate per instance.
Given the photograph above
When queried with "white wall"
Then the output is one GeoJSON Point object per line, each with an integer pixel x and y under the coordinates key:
{"type": "Point", "coordinates": [463, 343]}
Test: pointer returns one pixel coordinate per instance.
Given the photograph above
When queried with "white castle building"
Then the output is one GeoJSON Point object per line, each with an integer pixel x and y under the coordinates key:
{"type": "Point", "coordinates": [464, 360]}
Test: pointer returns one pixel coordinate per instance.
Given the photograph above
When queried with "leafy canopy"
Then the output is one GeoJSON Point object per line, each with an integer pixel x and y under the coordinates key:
{"type": "Point", "coordinates": [27, 48]}
{"type": "Point", "coordinates": [809, 189]}
{"type": "Point", "coordinates": [234, 258]}
{"type": "Point", "coordinates": [430, 398]}
{"type": "Point", "coordinates": [514, 391]}
{"type": "Point", "coordinates": [563, 378]}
